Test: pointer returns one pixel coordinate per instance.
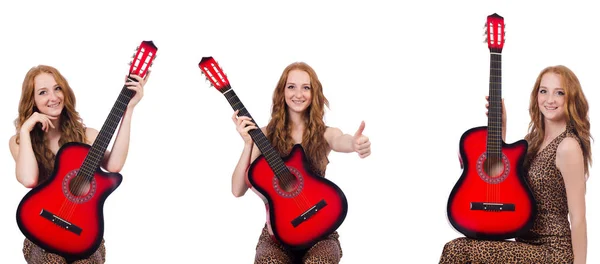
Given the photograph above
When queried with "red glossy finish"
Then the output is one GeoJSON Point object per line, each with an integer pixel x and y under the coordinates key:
{"type": "Point", "coordinates": [49, 196]}
{"type": "Point", "coordinates": [281, 210]}
{"type": "Point", "coordinates": [472, 188]}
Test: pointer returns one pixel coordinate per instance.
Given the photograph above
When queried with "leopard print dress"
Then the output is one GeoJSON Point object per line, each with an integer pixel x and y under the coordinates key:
{"type": "Point", "coordinates": [326, 251]}
{"type": "Point", "coordinates": [548, 241]}
{"type": "Point", "coordinates": [36, 255]}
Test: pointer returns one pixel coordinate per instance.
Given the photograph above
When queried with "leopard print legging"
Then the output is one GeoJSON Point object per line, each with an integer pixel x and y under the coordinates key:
{"type": "Point", "coordinates": [269, 251]}
{"type": "Point", "coordinates": [35, 255]}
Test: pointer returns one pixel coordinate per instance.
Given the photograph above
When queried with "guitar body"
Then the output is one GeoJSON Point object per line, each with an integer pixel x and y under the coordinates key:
{"type": "Point", "coordinates": [507, 204]}
{"type": "Point", "coordinates": [55, 219]}
{"type": "Point", "coordinates": [328, 202]}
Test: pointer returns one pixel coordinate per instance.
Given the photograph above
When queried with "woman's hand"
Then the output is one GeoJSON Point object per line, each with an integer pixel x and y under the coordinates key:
{"type": "Point", "coordinates": [35, 118]}
{"type": "Point", "coordinates": [243, 125]}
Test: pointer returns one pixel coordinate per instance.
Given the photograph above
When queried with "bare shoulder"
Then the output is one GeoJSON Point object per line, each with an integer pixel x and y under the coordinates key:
{"type": "Point", "coordinates": [569, 155]}
{"type": "Point", "coordinates": [569, 147]}
{"type": "Point", "coordinates": [14, 147]}
{"type": "Point", "coordinates": [90, 134]}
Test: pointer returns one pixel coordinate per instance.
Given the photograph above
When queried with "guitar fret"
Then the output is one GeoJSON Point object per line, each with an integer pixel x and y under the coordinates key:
{"type": "Point", "coordinates": [495, 105]}
{"type": "Point", "coordinates": [271, 156]}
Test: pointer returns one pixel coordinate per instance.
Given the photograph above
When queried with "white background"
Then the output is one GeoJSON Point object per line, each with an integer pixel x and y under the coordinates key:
{"type": "Point", "coordinates": [416, 73]}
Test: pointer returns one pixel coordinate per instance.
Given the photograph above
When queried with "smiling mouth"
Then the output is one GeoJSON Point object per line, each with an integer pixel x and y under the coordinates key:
{"type": "Point", "coordinates": [550, 108]}
{"type": "Point", "coordinates": [53, 105]}
{"type": "Point", "coordinates": [299, 102]}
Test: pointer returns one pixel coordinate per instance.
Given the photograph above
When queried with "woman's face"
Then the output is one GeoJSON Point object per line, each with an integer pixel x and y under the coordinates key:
{"type": "Point", "coordinates": [48, 95]}
{"type": "Point", "coordinates": [298, 93]}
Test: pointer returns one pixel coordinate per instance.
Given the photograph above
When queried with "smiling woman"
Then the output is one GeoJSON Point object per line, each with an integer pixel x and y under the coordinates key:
{"type": "Point", "coordinates": [297, 119]}
{"type": "Point", "coordinates": [47, 121]}
{"type": "Point", "coordinates": [557, 161]}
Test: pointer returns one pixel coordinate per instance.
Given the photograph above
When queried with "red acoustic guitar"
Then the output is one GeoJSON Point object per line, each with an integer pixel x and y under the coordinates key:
{"type": "Point", "coordinates": [301, 207]}
{"type": "Point", "coordinates": [492, 200]}
{"type": "Point", "coordinates": [64, 214]}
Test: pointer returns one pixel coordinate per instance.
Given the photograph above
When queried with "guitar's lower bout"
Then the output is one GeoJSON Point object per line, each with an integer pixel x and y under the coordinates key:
{"type": "Point", "coordinates": [301, 212]}
{"type": "Point", "coordinates": [60, 220]}
{"type": "Point", "coordinates": [491, 202]}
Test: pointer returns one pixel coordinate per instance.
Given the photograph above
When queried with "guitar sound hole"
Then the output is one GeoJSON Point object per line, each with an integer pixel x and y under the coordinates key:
{"type": "Point", "coordinates": [289, 185]}
{"type": "Point", "coordinates": [493, 167]}
{"type": "Point", "coordinates": [79, 186]}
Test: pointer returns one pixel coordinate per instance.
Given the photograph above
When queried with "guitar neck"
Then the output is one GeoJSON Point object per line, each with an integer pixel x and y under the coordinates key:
{"type": "Point", "coordinates": [494, 137]}
{"type": "Point", "coordinates": [96, 153]}
{"type": "Point", "coordinates": [260, 139]}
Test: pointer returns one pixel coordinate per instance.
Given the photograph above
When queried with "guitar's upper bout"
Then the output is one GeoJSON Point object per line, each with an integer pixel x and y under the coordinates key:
{"type": "Point", "coordinates": [520, 144]}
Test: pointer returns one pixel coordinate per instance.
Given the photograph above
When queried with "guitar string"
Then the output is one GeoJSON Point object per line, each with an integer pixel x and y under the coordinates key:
{"type": "Point", "coordinates": [85, 175]}
{"type": "Point", "coordinates": [279, 168]}
{"type": "Point", "coordinates": [96, 154]}
{"type": "Point", "coordinates": [495, 153]}
{"type": "Point", "coordinates": [285, 176]}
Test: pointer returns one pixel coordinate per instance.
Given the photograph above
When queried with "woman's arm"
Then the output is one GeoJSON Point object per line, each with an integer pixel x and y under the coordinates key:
{"type": "Point", "coordinates": [114, 160]}
{"type": "Point", "coordinates": [569, 160]}
{"type": "Point", "coordinates": [26, 163]}
{"type": "Point", "coordinates": [238, 179]}
{"type": "Point", "coordinates": [340, 142]}
{"type": "Point", "coordinates": [26, 169]}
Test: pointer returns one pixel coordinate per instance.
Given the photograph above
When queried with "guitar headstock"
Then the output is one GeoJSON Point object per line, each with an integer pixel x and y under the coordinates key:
{"type": "Point", "coordinates": [213, 73]}
{"type": "Point", "coordinates": [495, 32]}
{"type": "Point", "coordinates": [143, 59]}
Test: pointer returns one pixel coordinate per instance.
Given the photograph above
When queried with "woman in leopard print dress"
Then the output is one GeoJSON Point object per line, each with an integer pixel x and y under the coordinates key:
{"type": "Point", "coordinates": [297, 118]}
{"type": "Point", "coordinates": [557, 163]}
{"type": "Point", "coordinates": [47, 120]}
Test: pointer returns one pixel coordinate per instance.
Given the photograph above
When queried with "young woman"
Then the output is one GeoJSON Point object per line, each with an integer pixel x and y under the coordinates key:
{"type": "Point", "coordinates": [297, 118]}
{"type": "Point", "coordinates": [557, 162]}
{"type": "Point", "coordinates": [47, 120]}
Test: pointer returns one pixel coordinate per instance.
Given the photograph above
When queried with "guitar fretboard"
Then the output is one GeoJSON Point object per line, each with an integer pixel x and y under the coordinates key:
{"type": "Point", "coordinates": [261, 141]}
{"type": "Point", "coordinates": [494, 137]}
{"type": "Point", "coordinates": [96, 153]}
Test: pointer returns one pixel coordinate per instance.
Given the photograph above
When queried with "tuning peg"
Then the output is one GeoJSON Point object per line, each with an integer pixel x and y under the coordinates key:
{"type": "Point", "coordinates": [151, 64]}
{"type": "Point", "coordinates": [129, 63]}
{"type": "Point", "coordinates": [485, 40]}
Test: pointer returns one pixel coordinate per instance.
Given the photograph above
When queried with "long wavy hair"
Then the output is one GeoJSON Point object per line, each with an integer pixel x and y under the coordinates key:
{"type": "Point", "coordinates": [576, 114]}
{"type": "Point", "coordinates": [279, 131]}
{"type": "Point", "coordinates": [71, 126]}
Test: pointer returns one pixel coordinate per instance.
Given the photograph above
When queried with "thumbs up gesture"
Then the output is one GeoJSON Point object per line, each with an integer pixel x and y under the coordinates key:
{"type": "Point", "coordinates": [361, 143]}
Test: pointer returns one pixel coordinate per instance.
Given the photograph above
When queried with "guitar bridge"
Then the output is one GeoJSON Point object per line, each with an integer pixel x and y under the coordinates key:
{"type": "Point", "coordinates": [497, 207]}
{"type": "Point", "coordinates": [60, 222]}
{"type": "Point", "coordinates": [308, 213]}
